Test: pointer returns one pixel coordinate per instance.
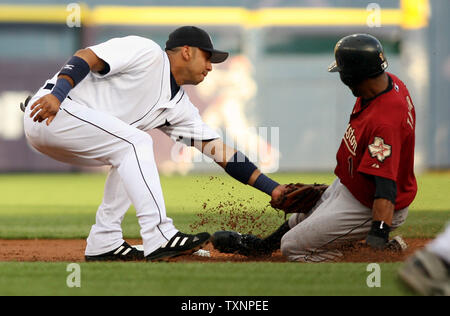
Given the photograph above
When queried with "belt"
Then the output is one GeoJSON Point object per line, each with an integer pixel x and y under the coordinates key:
{"type": "Point", "coordinates": [49, 86]}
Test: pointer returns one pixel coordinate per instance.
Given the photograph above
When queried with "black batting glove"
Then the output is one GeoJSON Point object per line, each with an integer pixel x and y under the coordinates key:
{"type": "Point", "coordinates": [378, 236]}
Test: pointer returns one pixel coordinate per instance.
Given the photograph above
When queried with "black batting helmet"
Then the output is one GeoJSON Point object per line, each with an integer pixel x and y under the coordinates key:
{"type": "Point", "coordinates": [358, 56]}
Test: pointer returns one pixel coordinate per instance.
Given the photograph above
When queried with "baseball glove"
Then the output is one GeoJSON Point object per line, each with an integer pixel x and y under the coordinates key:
{"type": "Point", "coordinates": [299, 197]}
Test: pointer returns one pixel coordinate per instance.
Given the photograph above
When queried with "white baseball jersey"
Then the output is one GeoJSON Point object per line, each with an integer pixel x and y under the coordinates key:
{"type": "Point", "coordinates": [137, 90]}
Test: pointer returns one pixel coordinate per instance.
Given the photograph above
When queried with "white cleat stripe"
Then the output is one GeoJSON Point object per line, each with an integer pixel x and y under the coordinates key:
{"type": "Point", "coordinates": [184, 241]}
{"type": "Point", "coordinates": [126, 251]}
{"type": "Point", "coordinates": [118, 250]}
{"type": "Point", "coordinates": [174, 242]}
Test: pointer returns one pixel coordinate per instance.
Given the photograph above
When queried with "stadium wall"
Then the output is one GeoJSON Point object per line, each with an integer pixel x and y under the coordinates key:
{"type": "Point", "coordinates": [280, 53]}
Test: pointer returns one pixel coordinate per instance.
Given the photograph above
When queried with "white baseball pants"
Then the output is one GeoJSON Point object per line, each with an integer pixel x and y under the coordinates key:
{"type": "Point", "coordinates": [337, 219]}
{"type": "Point", "coordinates": [441, 245]}
{"type": "Point", "coordinates": [83, 136]}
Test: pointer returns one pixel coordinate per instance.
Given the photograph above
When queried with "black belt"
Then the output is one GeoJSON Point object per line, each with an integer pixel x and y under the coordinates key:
{"type": "Point", "coordinates": [49, 86]}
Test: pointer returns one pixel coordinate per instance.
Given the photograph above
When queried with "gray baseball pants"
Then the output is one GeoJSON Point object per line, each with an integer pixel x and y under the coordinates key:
{"type": "Point", "coordinates": [337, 219]}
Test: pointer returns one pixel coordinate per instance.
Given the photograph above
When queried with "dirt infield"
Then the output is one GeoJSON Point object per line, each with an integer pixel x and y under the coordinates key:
{"type": "Point", "coordinates": [63, 250]}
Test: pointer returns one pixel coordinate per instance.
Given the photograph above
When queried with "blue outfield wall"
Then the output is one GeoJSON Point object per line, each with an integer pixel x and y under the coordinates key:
{"type": "Point", "coordinates": [280, 81]}
{"type": "Point", "coordinates": [439, 52]}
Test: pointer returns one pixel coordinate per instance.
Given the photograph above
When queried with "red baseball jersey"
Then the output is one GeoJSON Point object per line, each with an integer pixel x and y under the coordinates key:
{"type": "Point", "coordinates": [379, 141]}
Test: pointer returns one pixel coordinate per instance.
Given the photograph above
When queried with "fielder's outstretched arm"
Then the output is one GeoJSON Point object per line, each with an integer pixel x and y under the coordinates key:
{"type": "Point", "coordinates": [237, 165]}
{"type": "Point", "coordinates": [76, 69]}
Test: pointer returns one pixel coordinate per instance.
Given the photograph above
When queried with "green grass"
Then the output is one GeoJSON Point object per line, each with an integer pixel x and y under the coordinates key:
{"type": "Point", "coordinates": [64, 206]}
{"type": "Point", "coordinates": [198, 279]}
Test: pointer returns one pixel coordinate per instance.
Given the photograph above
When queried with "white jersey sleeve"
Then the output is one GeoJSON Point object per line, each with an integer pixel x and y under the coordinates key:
{"type": "Point", "coordinates": [127, 54]}
{"type": "Point", "coordinates": [184, 124]}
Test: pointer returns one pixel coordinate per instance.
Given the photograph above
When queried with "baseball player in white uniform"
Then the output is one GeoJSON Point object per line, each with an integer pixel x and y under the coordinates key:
{"type": "Point", "coordinates": [97, 110]}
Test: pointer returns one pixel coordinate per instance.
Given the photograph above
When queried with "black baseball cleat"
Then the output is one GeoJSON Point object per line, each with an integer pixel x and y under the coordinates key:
{"type": "Point", "coordinates": [243, 244]}
{"type": "Point", "coordinates": [180, 244]}
{"type": "Point", "coordinates": [123, 253]}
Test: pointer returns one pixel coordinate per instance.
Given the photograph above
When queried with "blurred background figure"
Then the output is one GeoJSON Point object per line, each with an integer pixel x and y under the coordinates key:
{"type": "Point", "coordinates": [427, 272]}
{"type": "Point", "coordinates": [274, 77]}
{"type": "Point", "coordinates": [226, 98]}
{"type": "Point", "coordinates": [234, 89]}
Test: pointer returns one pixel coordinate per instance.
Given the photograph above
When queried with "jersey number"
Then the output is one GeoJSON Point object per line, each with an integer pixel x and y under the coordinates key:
{"type": "Point", "coordinates": [350, 165]}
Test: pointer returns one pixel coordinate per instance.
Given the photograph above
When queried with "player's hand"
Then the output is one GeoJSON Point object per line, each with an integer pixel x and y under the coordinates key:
{"type": "Point", "coordinates": [278, 193]}
{"type": "Point", "coordinates": [378, 236]}
{"type": "Point", "coordinates": [45, 108]}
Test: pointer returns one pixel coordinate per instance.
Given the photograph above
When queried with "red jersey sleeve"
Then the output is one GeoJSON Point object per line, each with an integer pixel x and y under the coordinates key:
{"type": "Point", "coordinates": [382, 155]}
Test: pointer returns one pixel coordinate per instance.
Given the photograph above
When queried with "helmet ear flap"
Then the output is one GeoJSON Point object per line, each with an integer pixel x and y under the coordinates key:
{"type": "Point", "coordinates": [350, 79]}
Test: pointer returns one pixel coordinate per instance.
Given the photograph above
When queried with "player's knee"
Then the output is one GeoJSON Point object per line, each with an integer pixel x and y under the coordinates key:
{"type": "Point", "coordinates": [295, 246]}
{"type": "Point", "coordinates": [142, 139]}
{"type": "Point", "coordinates": [143, 147]}
{"type": "Point", "coordinates": [139, 145]}
{"type": "Point", "coordinates": [289, 246]}
{"type": "Point", "coordinates": [31, 129]}
{"type": "Point", "coordinates": [296, 219]}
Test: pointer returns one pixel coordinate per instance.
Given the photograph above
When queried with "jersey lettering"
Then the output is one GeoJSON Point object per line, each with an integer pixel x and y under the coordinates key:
{"type": "Point", "coordinates": [350, 140]}
{"type": "Point", "coordinates": [350, 166]}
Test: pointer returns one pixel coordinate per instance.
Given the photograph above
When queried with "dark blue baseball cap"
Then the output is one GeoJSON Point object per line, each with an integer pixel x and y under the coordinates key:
{"type": "Point", "coordinates": [195, 37]}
